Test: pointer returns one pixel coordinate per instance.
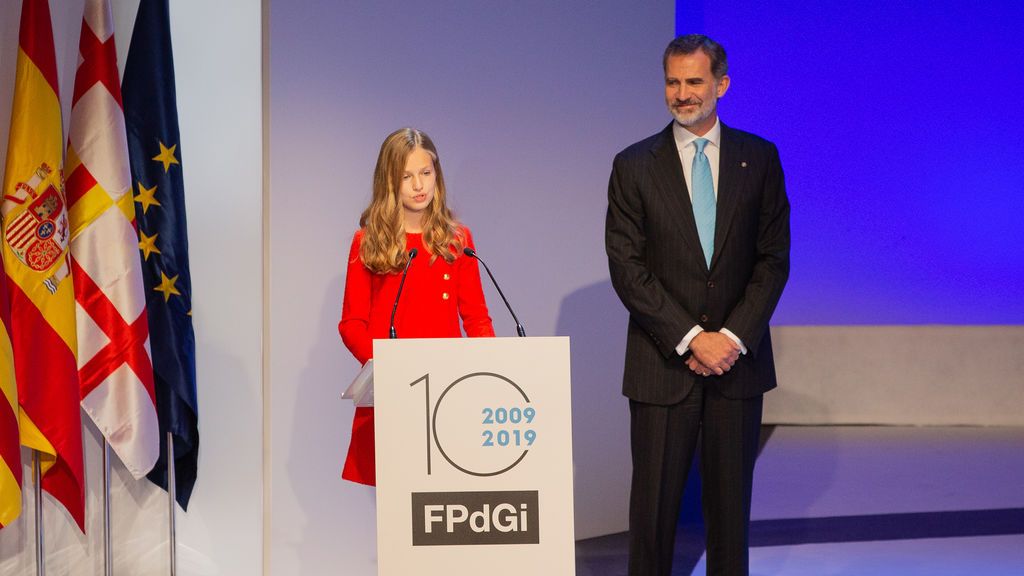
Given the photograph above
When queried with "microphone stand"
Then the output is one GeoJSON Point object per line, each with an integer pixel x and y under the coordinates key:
{"type": "Point", "coordinates": [391, 330]}
{"type": "Point", "coordinates": [472, 253]}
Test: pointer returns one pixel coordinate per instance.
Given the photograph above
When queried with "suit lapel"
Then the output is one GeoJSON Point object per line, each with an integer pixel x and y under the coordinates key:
{"type": "Point", "coordinates": [668, 177]}
{"type": "Point", "coordinates": [731, 174]}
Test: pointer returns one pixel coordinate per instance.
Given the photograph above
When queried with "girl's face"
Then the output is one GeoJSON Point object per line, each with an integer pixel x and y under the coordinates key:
{"type": "Point", "coordinates": [417, 188]}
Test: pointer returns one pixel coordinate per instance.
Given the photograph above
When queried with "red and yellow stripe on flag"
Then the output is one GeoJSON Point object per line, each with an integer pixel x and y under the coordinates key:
{"type": "Point", "coordinates": [114, 361]}
{"type": "Point", "coordinates": [10, 447]}
{"type": "Point", "coordinates": [35, 255]}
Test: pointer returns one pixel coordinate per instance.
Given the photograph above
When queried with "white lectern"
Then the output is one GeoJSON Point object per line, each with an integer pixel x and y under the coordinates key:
{"type": "Point", "coordinates": [474, 457]}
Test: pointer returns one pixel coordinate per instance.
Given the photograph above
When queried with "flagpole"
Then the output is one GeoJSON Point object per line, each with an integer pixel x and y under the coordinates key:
{"type": "Point", "coordinates": [37, 479]}
{"type": "Point", "coordinates": [108, 556]}
{"type": "Point", "coordinates": [171, 497]}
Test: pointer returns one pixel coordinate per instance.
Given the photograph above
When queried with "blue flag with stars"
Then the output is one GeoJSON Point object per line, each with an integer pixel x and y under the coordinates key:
{"type": "Point", "coordinates": [151, 119]}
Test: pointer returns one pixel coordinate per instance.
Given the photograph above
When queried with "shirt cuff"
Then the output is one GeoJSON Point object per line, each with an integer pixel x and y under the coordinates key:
{"type": "Point", "coordinates": [736, 339]}
{"type": "Point", "coordinates": [684, 345]}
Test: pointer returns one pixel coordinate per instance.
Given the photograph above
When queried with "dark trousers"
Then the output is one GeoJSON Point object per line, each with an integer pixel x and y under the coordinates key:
{"type": "Point", "coordinates": [663, 440]}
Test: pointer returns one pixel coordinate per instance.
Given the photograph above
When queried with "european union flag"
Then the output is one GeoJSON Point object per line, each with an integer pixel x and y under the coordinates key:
{"type": "Point", "coordinates": [151, 119]}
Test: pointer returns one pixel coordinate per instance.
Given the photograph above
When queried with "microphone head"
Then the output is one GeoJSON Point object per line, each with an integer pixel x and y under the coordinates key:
{"type": "Point", "coordinates": [412, 253]}
{"type": "Point", "coordinates": [469, 252]}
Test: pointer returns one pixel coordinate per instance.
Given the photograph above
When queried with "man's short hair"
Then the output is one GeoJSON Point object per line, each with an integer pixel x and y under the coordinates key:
{"type": "Point", "coordinates": [690, 43]}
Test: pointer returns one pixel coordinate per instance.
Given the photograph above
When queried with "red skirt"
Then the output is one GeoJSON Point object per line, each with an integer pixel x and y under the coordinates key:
{"type": "Point", "coordinates": [360, 465]}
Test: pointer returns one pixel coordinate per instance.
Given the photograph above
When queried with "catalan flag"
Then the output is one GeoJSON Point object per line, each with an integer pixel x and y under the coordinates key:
{"type": "Point", "coordinates": [151, 116]}
{"type": "Point", "coordinates": [36, 260]}
{"type": "Point", "coordinates": [10, 446]}
{"type": "Point", "coordinates": [114, 362]}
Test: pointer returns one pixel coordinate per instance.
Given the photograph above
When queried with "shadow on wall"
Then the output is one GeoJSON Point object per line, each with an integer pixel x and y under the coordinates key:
{"type": "Point", "coordinates": [595, 320]}
{"type": "Point", "coordinates": [322, 418]}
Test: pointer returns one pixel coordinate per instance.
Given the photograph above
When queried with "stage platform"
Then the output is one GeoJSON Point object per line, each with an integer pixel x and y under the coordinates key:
{"type": "Point", "coordinates": [867, 500]}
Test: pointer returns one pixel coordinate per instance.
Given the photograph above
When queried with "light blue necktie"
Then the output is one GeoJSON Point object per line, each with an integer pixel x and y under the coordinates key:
{"type": "Point", "coordinates": [703, 199]}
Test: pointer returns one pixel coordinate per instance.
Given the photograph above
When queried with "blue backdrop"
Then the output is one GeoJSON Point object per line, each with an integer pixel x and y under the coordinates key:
{"type": "Point", "coordinates": [901, 129]}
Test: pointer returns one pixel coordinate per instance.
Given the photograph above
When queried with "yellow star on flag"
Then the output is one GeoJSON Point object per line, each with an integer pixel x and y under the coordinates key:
{"type": "Point", "coordinates": [146, 197]}
{"type": "Point", "coordinates": [167, 286]}
{"type": "Point", "coordinates": [148, 245]}
{"type": "Point", "coordinates": [166, 156]}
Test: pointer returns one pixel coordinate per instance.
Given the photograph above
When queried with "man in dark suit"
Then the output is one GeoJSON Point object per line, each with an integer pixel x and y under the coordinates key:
{"type": "Point", "coordinates": [697, 235]}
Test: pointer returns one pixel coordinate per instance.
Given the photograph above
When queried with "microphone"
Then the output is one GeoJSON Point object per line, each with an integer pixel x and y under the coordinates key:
{"type": "Point", "coordinates": [472, 253]}
{"type": "Point", "coordinates": [391, 329]}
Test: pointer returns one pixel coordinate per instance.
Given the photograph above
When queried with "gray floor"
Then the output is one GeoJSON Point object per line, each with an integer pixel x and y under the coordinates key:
{"type": "Point", "coordinates": [873, 501]}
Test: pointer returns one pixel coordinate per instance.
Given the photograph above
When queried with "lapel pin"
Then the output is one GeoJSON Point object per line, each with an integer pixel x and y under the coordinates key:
{"type": "Point", "coordinates": [743, 164]}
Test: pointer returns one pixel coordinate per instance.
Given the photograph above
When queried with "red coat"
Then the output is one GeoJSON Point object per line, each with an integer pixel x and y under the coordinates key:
{"type": "Point", "coordinates": [436, 295]}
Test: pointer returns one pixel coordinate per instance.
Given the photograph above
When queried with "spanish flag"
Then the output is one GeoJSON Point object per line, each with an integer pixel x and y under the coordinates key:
{"type": "Point", "coordinates": [35, 254]}
{"type": "Point", "coordinates": [10, 447]}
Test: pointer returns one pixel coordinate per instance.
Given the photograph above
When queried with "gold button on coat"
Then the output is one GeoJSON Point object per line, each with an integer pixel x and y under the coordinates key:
{"type": "Point", "coordinates": [447, 277]}
{"type": "Point", "coordinates": [444, 295]}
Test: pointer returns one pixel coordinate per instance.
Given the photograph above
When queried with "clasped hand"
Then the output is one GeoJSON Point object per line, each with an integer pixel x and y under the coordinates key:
{"type": "Point", "coordinates": [712, 353]}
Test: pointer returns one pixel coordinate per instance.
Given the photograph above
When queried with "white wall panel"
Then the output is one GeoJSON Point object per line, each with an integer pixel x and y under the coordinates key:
{"type": "Point", "coordinates": [898, 375]}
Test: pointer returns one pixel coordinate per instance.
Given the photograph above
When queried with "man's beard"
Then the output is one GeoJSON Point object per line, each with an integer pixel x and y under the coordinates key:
{"type": "Point", "coordinates": [688, 119]}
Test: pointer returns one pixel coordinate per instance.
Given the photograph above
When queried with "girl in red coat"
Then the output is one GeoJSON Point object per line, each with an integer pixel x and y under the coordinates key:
{"type": "Point", "coordinates": [409, 210]}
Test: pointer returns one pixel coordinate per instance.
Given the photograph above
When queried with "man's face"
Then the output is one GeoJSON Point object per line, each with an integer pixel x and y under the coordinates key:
{"type": "Point", "coordinates": [692, 92]}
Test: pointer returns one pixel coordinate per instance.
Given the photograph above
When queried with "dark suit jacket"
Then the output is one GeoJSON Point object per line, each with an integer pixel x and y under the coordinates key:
{"type": "Point", "coordinates": [658, 269]}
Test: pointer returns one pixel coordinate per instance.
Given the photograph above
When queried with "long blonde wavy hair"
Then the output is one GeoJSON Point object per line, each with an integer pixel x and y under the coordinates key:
{"type": "Point", "coordinates": [383, 246]}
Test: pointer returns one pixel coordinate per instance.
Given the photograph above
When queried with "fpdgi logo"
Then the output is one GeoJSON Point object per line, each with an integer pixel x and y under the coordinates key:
{"type": "Point", "coordinates": [466, 518]}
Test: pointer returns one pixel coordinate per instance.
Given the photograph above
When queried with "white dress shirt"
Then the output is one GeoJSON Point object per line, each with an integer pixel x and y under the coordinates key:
{"type": "Point", "coordinates": [684, 144]}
